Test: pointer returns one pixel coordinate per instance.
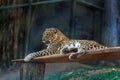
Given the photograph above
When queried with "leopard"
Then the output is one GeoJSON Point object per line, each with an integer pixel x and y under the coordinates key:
{"type": "Point", "coordinates": [58, 43]}
{"type": "Point", "coordinates": [53, 38]}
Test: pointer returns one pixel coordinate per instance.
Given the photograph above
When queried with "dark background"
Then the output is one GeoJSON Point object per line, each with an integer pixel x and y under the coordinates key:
{"type": "Point", "coordinates": [21, 28]}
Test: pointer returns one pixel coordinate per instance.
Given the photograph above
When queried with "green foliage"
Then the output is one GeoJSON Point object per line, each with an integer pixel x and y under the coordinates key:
{"type": "Point", "coordinates": [113, 75]}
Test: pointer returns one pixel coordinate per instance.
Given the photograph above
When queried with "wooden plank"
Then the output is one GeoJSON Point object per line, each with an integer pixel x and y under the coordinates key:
{"type": "Point", "coordinates": [112, 53]}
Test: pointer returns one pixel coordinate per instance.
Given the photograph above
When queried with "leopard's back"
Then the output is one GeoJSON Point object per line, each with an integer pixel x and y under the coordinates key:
{"type": "Point", "coordinates": [90, 45]}
{"type": "Point", "coordinates": [78, 48]}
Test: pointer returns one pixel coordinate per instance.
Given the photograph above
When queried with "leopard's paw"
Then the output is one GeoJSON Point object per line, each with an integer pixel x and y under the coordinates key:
{"type": "Point", "coordinates": [72, 56]}
{"type": "Point", "coordinates": [76, 55]}
{"type": "Point", "coordinates": [28, 58]}
{"type": "Point", "coordinates": [65, 51]}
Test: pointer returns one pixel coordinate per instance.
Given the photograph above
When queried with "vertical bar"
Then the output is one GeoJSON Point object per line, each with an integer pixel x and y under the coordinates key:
{"type": "Point", "coordinates": [110, 29]}
{"type": "Point", "coordinates": [72, 18]}
{"type": "Point", "coordinates": [28, 28]}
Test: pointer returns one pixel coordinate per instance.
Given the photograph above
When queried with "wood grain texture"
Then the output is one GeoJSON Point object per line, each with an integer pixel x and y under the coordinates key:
{"type": "Point", "coordinates": [32, 71]}
{"type": "Point", "coordinates": [112, 53]}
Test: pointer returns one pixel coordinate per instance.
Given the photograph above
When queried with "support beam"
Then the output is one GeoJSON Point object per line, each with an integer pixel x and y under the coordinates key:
{"type": "Point", "coordinates": [2, 7]}
{"type": "Point", "coordinates": [110, 28]}
{"type": "Point", "coordinates": [89, 5]}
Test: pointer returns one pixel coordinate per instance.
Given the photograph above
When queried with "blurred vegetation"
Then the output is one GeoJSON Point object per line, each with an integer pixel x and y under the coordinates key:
{"type": "Point", "coordinates": [99, 73]}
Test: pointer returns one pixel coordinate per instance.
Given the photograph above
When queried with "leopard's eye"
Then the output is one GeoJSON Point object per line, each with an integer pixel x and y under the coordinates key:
{"type": "Point", "coordinates": [47, 33]}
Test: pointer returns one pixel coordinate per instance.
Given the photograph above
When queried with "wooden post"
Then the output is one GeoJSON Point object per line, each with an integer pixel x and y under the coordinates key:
{"type": "Point", "coordinates": [32, 71]}
{"type": "Point", "coordinates": [110, 29]}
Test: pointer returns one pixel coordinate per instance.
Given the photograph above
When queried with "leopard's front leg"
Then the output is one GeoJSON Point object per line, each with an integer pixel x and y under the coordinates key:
{"type": "Point", "coordinates": [70, 47]}
{"type": "Point", "coordinates": [77, 54]}
{"type": "Point", "coordinates": [69, 50]}
{"type": "Point", "coordinates": [74, 49]}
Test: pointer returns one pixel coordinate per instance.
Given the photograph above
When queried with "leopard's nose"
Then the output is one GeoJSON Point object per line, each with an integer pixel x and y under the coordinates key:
{"type": "Point", "coordinates": [46, 42]}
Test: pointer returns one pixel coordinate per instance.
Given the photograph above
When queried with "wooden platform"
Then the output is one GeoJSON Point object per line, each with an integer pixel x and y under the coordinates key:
{"type": "Point", "coordinates": [112, 53]}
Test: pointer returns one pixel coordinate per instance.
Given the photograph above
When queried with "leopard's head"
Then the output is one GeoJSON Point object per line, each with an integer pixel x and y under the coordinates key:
{"type": "Point", "coordinates": [51, 35]}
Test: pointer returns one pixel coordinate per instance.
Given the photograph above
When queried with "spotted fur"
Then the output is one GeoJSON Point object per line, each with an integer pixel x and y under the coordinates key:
{"type": "Point", "coordinates": [58, 43]}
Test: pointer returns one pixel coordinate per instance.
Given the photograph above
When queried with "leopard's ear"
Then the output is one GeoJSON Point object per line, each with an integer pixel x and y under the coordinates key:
{"type": "Point", "coordinates": [46, 29]}
{"type": "Point", "coordinates": [56, 30]}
